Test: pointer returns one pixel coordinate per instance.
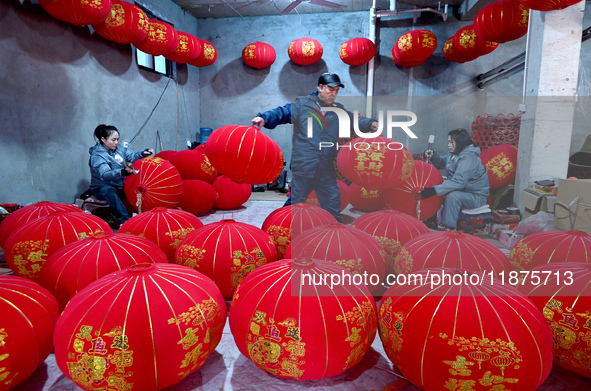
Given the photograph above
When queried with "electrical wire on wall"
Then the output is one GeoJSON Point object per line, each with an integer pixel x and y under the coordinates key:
{"type": "Point", "coordinates": [151, 113]}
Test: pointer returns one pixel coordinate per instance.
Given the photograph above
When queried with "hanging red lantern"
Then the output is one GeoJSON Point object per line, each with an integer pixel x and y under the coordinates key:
{"type": "Point", "coordinates": [305, 51]}
{"type": "Point", "coordinates": [226, 251]}
{"type": "Point", "coordinates": [502, 21]}
{"type": "Point", "coordinates": [31, 244]}
{"type": "Point", "coordinates": [406, 198]}
{"type": "Point", "coordinates": [375, 163]}
{"type": "Point", "coordinates": [197, 197]}
{"type": "Point", "coordinates": [548, 5]}
{"type": "Point", "coordinates": [29, 313]}
{"type": "Point", "coordinates": [460, 331]}
{"type": "Point", "coordinates": [414, 48]}
{"type": "Point", "coordinates": [454, 55]}
{"type": "Point", "coordinates": [187, 50]}
{"type": "Point", "coordinates": [244, 154]}
{"type": "Point", "coordinates": [194, 164]}
{"type": "Point", "coordinates": [78, 12]}
{"type": "Point", "coordinates": [280, 329]}
{"type": "Point", "coordinates": [164, 227]}
{"type": "Point", "coordinates": [101, 338]}
{"type": "Point", "coordinates": [258, 55]}
{"type": "Point", "coordinates": [357, 51]}
{"type": "Point", "coordinates": [365, 200]}
{"type": "Point", "coordinates": [208, 54]}
{"type": "Point", "coordinates": [392, 229]}
{"type": "Point", "coordinates": [467, 43]}
{"type": "Point", "coordinates": [229, 194]}
{"type": "Point", "coordinates": [157, 183]}
{"type": "Point", "coordinates": [127, 23]}
{"type": "Point", "coordinates": [501, 165]}
{"type": "Point", "coordinates": [344, 196]}
{"type": "Point", "coordinates": [540, 248]}
{"type": "Point", "coordinates": [162, 39]}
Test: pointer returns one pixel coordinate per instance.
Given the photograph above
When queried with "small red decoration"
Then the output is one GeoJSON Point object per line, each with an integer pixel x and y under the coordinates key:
{"type": "Point", "coordinates": [365, 200]}
{"type": "Point", "coordinates": [78, 12]}
{"type": "Point", "coordinates": [126, 23]}
{"type": "Point", "coordinates": [198, 196]}
{"type": "Point", "coordinates": [357, 51]}
{"type": "Point", "coordinates": [230, 195]}
{"type": "Point", "coordinates": [344, 196]}
{"type": "Point", "coordinates": [187, 50]}
{"type": "Point", "coordinates": [162, 39]}
{"type": "Point", "coordinates": [208, 54]}
{"type": "Point", "coordinates": [305, 51]}
{"type": "Point", "coordinates": [548, 5]}
{"type": "Point", "coordinates": [501, 164]}
{"type": "Point", "coordinates": [194, 164]}
{"type": "Point", "coordinates": [258, 55]}
{"type": "Point", "coordinates": [414, 48]}
{"type": "Point", "coordinates": [502, 21]}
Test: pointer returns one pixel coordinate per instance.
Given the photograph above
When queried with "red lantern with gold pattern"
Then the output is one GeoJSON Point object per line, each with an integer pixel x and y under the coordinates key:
{"type": "Point", "coordinates": [298, 330]}
{"type": "Point", "coordinates": [548, 5]}
{"type": "Point", "coordinates": [244, 154]}
{"type": "Point", "coordinates": [259, 55]}
{"type": "Point", "coordinates": [78, 12]}
{"type": "Point", "coordinates": [31, 244]}
{"type": "Point", "coordinates": [365, 200]}
{"type": "Point", "coordinates": [194, 164]}
{"type": "Point", "coordinates": [545, 247]}
{"type": "Point", "coordinates": [162, 39]}
{"type": "Point", "coordinates": [157, 183]}
{"type": "Point", "coordinates": [126, 23]}
{"type": "Point", "coordinates": [468, 44]}
{"type": "Point", "coordinates": [187, 50]}
{"type": "Point", "coordinates": [198, 196]}
{"type": "Point", "coordinates": [502, 21]}
{"type": "Point", "coordinates": [305, 51]}
{"type": "Point", "coordinates": [464, 331]}
{"type": "Point", "coordinates": [454, 55]}
{"type": "Point", "coordinates": [414, 48]}
{"type": "Point", "coordinates": [226, 251]}
{"type": "Point", "coordinates": [29, 313]}
{"type": "Point", "coordinates": [357, 51]}
{"type": "Point", "coordinates": [501, 164]}
{"type": "Point", "coordinates": [343, 191]}
{"type": "Point", "coordinates": [146, 327]}
{"type": "Point", "coordinates": [208, 54]}
{"type": "Point", "coordinates": [375, 163]}
{"type": "Point", "coordinates": [229, 194]}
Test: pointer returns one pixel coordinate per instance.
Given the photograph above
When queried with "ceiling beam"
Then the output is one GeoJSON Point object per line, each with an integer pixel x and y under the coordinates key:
{"type": "Point", "coordinates": [471, 7]}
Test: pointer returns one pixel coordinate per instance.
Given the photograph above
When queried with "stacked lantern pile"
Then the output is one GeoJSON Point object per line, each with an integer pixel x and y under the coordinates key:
{"type": "Point", "coordinates": [126, 23]}
{"type": "Point", "coordinates": [194, 164]}
{"type": "Point", "coordinates": [414, 48]}
{"type": "Point", "coordinates": [502, 21]}
{"type": "Point", "coordinates": [357, 51]}
{"type": "Point", "coordinates": [501, 165]}
{"type": "Point", "coordinates": [230, 194]}
{"type": "Point", "coordinates": [78, 12]}
{"type": "Point", "coordinates": [258, 55]}
{"type": "Point", "coordinates": [207, 56]}
{"type": "Point", "coordinates": [488, 131]}
{"type": "Point", "coordinates": [305, 51]}
{"type": "Point", "coordinates": [197, 197]}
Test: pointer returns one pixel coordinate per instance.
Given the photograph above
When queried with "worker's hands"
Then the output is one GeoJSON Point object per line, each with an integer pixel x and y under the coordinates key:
{"type": "Point", "coordinates": [128, 170]}
{"type": "Point", "coordinates": [427, 192]}
{"type": "Point", "coordinates": [375, 125]}
{"type": "Point", "coordinates": [258, 122]}
{"type": "Point", "coordinates": [147, 152]}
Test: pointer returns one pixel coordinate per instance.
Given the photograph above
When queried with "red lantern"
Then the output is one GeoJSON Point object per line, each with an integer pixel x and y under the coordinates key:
{"type": "Point", "coordinates": [78, 12]}
{"type": "Point", "coordinates": [375, 163]}
{"type": "Point", "coordinates": [548, 5]}
{"type": "Point", "coordinates": [258, 55]}
{"type": "Point", "coordinates": [162, 39]}
{"type": "Point", "coordinates": [29, 313]}
{"type": "Point", "coordinates": [502, 21]}
{"type": "Point", "coordinates": [357, 51]}
{"type": "Point", "coordinates": [414, 48]}
{"type": "Point", "coordinates": [31, 212]}
{"type": "Point", "coordinates": [365, 200]}
{"type": "Point", "coordinates": [208, 54]}
{"type": "Point", "coordinates": [551, 247]}
{"type": "Point", "coordinates": [226, 251]}
{"type": "Point", "coordinates": [146, 327]}
{"type": "Point", "coordinates": [344, 196]}
{"type": "Point", "coordinates": [464, 331]}
{"type": "Point", "coordinates": [292, 329]}
{"type": "Point", "coordinates": [305, 51]}
{"type": "Point", "coordinates": [126, 23]}
{"type": "Point", "coordinates": [164, 227]}
{"type": "Point", "coordinates": [406, 198]}
{"type": "Point", "coordinates": [194, 164]}
{"type": "Point", "coordinates": [244, 154]}
{"type": "Point", "coordinates": [454, 55]}
{"type": "Point", "coordinates": [198, 196]}
{"type": "Point", "coordinates": [166, 155]}
{"type": "Point", "coordinates": [157, 183]}
{"type": "Point", "coordinates": [31, 244]}
{"type": "Point", "coordinates": [501, 165]}
{"type": "Point", "coordinates": [392, 229]}
{"type": "Point", "coordinates": [230, 195]}
{"type": "Point", "coordinates": [187, 50]}
{"type": "Point", "coordinates": [469, 44]}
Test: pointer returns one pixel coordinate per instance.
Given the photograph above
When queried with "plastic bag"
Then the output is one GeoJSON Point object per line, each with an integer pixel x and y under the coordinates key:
{"type": "Point", "coordinates": [540, 222]}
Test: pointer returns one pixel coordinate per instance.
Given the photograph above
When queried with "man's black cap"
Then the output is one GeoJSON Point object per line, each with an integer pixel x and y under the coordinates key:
{"type": "Point", "coordinates": [331, 80]}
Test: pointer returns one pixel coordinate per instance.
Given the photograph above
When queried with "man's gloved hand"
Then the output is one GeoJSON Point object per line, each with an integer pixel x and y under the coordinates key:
{"type": "Point", "coordinates": [427, 192]}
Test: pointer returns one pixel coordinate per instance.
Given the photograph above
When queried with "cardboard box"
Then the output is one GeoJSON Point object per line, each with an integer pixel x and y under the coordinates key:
{"type": "Point", "coordinates": [493, 229]}
{"type": "Point", "coordinates": [509, 238]}
{"type": "Point", "coordinates": [535, 201]}
{"type": "Point", "coordinates": [569, 209]}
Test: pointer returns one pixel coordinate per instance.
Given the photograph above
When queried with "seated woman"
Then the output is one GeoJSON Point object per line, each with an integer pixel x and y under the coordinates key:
{"type": "Point", "coordinates": [466, 186]}
{"type": "Point", "coordinates": [109, 164]}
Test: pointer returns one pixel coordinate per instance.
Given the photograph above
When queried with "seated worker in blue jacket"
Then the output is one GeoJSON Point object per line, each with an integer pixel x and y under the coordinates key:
{"type": "Point", "coordinates": [312, 163]}
{"type": "Point", "coordinates": [466, 186]}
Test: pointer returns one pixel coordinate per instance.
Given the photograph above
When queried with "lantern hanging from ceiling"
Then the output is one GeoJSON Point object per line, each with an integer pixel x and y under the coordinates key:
{"type": "Point", "coordinates": [305, 51]}
{"type": "Point", "coordinates": [229, 194]}
{"type": "Point", "coordinates": [258, 55]}
{"type": "Point", "coordinates": [501, 165]}
{"type": "Point", "coordinates": [469, 44]}
{"type": "Point", "coordinates": [187, 50]}
{"type": "Point", "coordinates": [414, 48]}
{"type": "Point", "coordinates": [127, 23]}
{"type": "Point", "coordinates": [454, 55]}
{"type": "Point", "coordinates": [78, 12]}
{"type": "Point", "coordinates": [357, 51]}
{"type": "Point", "coordinates": [244, 154]}
{"type": "Point", "coordinates": [365, 200]}
{"type": "Point", "coordinates": [162, 39]}
{"type": "Point", "coordinates": [548, 5]}
{"type": "Point", "coordinates": [293, 329]}
{"type": "Point", "coordinates": [208, 54]}
{"type": "Point", "coordinates": [194, 164]}
{"type": "Point", "coordinates": [502, 21]}
{"type": "Point", "coordinates": [226, 251]}
{"type": "Point", "coordinates": [197, 197]}
{"type": "Point", "coordinates": [312, 198]}
{"type": "Point", "coordinates": [146, 327]}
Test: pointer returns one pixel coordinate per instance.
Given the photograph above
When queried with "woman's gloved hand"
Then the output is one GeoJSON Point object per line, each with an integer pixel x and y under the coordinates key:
{"type": "Point", "coordinates": [147, 152]}
{"type": "Point", "coordinates": [427, 192]}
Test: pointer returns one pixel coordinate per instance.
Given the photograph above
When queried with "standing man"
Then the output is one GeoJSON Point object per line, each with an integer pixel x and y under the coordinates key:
{"type": "Point", "coordinates": [312, 162]}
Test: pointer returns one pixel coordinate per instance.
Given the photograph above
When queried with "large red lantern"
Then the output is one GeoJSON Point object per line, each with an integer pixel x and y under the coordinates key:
{"type": "Point", "coordinates": [244, 154]}
{"type": "Point", "coordinates": [157, 183]}
{"type": "Point", "coordinates": [147, 327]}
{"type": "Point", "coordinates": [31, 244]}
{"type": "Point", "coordinates": [406, 198]}
{"type": "Point", "coordinates": [293, 329]}
{"type": "Point", "coordinates": [551, 247]}
{"type": "Point", "coordinates": [208, 54]}
{"type": "Point", "coordinates": [548, 5]}
{"type": "Point", "coordinates": [126, 23]}
{"type": "Point", "coordinates": [469, 44]}
{"type": "Point", "coordinates": [357, 51]}
{"type": "Point", "coordinates": [414, 48]}
{"type": "Point", "coordinates": [78, 12]}
{"type": "Point", "coordinates": [29, 313]}
{"type": "Point", "coordinates": [258, 55]}
{"type": "Point", "coordinates": [453, 54]}
{"type": "Point", "coordinates": [467, 330]}
{"type": "Point", "coordinates": [229, 194]}
{"type": "Point", "coordinates": [164, 227]}
{"type": "Point", "coordinates": [375, 163]}
{"type": "Point", "coordinates": [502, 21]}
{"type": "Point", "coordinates": [344, 196]}
{"type": "Point", "coordinates": [187, 50]}
{"type": "Point", "coordinates": [226, 251]}
{"type": "Point", "coordinates": [162, 39]}
{"type": "Point", "coordinates": [74, 266]}
{"type": "Point", "coordinates": [365, 200]}
{"type": "Point", "coordinates": [198, 196]}
{"type": "Point", "coordinates": [501, 164]}
{"type": "Point", "coordinates": [305, 51]}
{"type": "Point", "coordinates": [166, 154]}
{"type": "Point", "coordinates": [194, 164]}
